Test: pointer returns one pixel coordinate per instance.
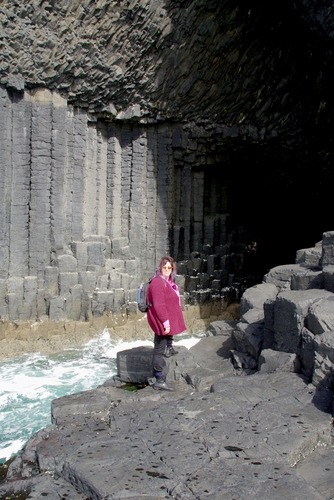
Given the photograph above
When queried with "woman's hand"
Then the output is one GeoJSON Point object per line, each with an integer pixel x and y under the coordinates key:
{"type": "Point", "coordinates": [167, 330]}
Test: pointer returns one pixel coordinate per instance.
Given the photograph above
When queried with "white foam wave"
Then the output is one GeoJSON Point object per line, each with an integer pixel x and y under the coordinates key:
{"type": "Point", "coordinates": [7, 451]}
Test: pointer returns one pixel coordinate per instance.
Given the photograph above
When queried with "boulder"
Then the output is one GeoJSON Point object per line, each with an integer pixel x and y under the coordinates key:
{"type": "Point", "coordinates": [271, 361]}
{"type": "Point", "coordinates": [135, 365]}
{"type": "Point", "coordinates": [253, 316]}
{"type": "Point", "coordinates": [254, 297]}
{"type": "Point", "coordinates": [204, 360]}
{"type": "Point", "coordinates": [320, 317]}
{"type": "Point", "coordinates": [248, 334]}
{"type": "Point", "coordinates": [323, 372]}
{"type": "Point", "coordinates": [328, 277]}
{"type": "Point", "coordinates": [310, 256]}
{"type": "Point", "coordinates": [280, 276]}
{"type": "Point", "coordinates": [248, 338]}
{"type": "Point", "coordinates": [290, 310]}
{"type": "Point", "coordinates": [221, 327]}
{"type": "Point", "coordinates": [306, 278]}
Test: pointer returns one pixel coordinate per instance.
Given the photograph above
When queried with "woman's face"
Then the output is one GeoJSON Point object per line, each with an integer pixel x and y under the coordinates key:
{"type": "Point", "coordinates": [167, 269]}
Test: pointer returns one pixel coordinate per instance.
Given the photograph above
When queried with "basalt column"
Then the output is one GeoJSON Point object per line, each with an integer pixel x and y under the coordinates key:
{"type": "Point", "coordinates": [89, 204]}
{"type": "Point", "coordinates": [138, 192]}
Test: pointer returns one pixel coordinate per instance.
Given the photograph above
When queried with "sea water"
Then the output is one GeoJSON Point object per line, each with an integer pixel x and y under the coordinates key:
{"type": "Point", "coordinates": [30, 382]}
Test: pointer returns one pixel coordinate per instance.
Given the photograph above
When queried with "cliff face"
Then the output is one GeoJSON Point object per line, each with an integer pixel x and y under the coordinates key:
{"type": "Point", "coordinates": [130, 129]}
{"type": "Point", "coordinates": [89, 207]}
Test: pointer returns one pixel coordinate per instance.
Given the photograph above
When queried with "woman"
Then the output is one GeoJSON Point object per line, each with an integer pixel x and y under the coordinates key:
{"type": "Point", "coordinates": [164, 316]}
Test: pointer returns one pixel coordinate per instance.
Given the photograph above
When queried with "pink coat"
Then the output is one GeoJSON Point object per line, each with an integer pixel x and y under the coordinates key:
{"type": "Point", "coordinates": [166, 306]}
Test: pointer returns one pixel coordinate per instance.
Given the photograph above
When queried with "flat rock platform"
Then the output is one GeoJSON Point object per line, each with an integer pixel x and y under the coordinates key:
{"type": "Point", "coordinates": [218, 436]}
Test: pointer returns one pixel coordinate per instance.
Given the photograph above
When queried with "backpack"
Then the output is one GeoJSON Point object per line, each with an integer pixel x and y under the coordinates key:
{"type": "Point", "coordinates": [141, 296]}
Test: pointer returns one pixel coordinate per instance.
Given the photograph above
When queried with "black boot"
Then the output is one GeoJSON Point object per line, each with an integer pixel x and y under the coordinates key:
{"type": "Point", "coordinates": [161, 385]}
{"type": "Point", "coordinates": [170, 351]}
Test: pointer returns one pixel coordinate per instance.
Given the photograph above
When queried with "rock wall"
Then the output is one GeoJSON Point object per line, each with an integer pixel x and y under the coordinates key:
{"type": "Point", "coordinates": [88, 207]}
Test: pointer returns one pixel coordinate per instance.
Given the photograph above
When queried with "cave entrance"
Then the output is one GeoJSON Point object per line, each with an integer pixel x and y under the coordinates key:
{"type": "Point", "coordinates": [215, 206]}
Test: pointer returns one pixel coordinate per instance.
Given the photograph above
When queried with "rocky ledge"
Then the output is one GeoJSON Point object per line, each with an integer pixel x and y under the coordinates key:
{"type": "Point", "coordinates": [251, 415]}
{"type": "Point", "coordinates": [217, 436]}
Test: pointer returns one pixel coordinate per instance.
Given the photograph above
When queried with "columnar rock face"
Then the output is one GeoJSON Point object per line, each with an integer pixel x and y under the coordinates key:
{"type": "Point", "coordinates": [121, 125]}
{"type": "Point", "coordinates": [89, 207]}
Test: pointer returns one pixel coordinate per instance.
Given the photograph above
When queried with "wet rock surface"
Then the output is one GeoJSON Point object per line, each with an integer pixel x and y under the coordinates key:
{"type": "Point", "coordinates": [217, 436]}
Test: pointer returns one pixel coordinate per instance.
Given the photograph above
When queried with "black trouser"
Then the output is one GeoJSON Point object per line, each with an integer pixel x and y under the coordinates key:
{"type": "Point", "coordinates": [160, 344]}
{"type": "Point", "coordinates": [169, 340]}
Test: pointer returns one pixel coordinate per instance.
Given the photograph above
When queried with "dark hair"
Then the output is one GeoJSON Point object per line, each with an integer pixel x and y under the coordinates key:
{"type": "Point", "coordinates": [171, 261]}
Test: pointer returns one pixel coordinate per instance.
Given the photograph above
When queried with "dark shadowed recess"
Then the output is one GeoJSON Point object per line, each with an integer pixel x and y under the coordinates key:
{"type": "Point", "coordinates": [279, 198]}
{"type": "Point", "coordinates": [280, 190]}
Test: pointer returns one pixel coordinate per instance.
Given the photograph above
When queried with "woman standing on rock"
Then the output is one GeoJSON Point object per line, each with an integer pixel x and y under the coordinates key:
{"type": "Point", "coordinates": [164, 316]}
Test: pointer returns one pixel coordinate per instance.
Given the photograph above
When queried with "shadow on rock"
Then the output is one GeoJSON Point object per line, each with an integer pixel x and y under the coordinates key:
{"type": "Point", "coordinates": [323, 395]}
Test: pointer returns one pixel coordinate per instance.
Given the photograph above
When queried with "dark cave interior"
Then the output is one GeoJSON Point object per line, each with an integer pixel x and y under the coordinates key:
{"type": "Point", "coordinates": [278, 197]}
